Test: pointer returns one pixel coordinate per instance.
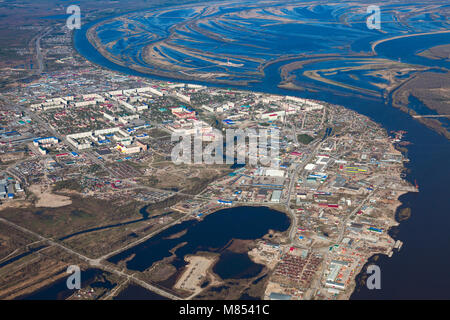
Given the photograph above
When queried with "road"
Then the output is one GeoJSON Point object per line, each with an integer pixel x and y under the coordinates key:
{"type": "Point", "coordinates": [39, 56]}
{"type": "Point", "coordinates": [299, 167]}
{"type": "Point", "coordinates": [130, 245]}
{"type": "Point", "coordinates": [94, 262]}
{"type": "Point", "coordinates": [341, 233]}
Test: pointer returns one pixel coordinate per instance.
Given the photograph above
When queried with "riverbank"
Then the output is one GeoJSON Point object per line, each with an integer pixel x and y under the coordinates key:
{"type": "Point", "coordinates": [424, 154]}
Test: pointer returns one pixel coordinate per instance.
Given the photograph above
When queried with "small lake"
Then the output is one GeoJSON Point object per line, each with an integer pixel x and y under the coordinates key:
{"type": "Point", "coordinates": [211, 234]}
{"type": "Point", "coordinates": [232, 265]}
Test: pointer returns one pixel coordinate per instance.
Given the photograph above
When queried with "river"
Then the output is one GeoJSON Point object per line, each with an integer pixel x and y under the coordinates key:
{"type": "Point", "coordinates": [420, 269]}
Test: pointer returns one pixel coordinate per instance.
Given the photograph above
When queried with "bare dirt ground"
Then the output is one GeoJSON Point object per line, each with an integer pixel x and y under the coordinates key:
{"type": "Point", "coordinates": [15, 204]}
{"type": "Point", "coordinates": [195, 273]}
{"type": "Point", "coordinates": [47, 199]}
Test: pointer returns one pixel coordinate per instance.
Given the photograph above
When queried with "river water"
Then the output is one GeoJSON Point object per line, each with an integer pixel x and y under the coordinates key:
{"type": "Point", "coordinates": [420, 269]}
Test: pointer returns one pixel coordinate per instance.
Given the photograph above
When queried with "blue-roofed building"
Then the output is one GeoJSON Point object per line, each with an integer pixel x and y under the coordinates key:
{"type": "Point", "coordinates": [279, 296]}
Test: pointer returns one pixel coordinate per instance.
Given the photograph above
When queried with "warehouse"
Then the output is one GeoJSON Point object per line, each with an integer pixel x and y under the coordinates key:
{"type": "Point", "coordinates": [276, 196]}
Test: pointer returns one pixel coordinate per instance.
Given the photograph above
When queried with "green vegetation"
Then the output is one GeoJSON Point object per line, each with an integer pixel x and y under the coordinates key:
{"type": "Point", "coordinates": [196, 184]}
{"type": "Point", "coordinates": [166, 203]}
{"type": "Point", "coordinates": [151, 181]}
{"type": "Point", "coordinates": [71, 184]}
{"type": "Point", "coordinates": [158, 133]}
{"type": "Point", "coordinates": [94, 168]}
{"type": "Point", "coordinates": [135, 165]}
{"type": "Point", "coordinates": [304, 138]}
{"type": "Point", "coordinates": [80, 214]}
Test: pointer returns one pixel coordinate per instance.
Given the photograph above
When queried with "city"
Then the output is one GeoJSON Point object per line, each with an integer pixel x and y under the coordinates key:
{"type": "Point", "coordinates": [224, 155]}
{"type": "Point", "coordinates": [338, 178]}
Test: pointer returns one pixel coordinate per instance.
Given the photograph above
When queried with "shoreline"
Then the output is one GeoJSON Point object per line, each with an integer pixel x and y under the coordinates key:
{"type": "Point", "coordinates": [360, 274]}
{"type": "Point", "coordinates": [287, 84]}
{"type": "Point", "coordinates": [255, 205]}
{"type": "Point", "coordinates": [376, 43]}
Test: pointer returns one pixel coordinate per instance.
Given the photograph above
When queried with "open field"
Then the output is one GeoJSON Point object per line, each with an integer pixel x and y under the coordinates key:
{"type": "Point", "coordinates": [48, 199]}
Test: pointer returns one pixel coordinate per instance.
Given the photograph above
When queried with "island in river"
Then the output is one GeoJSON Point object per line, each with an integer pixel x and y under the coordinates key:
{"type": "Point", "coordinates": [237, 43]}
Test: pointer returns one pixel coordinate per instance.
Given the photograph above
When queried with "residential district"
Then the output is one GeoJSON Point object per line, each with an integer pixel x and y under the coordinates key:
{"type": "Point", "coordinates": [67, 140]}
